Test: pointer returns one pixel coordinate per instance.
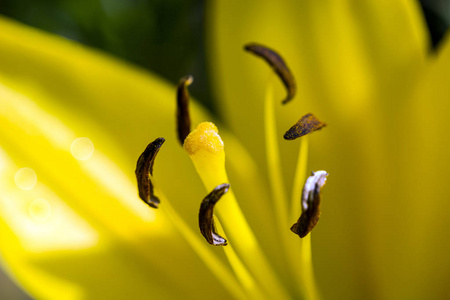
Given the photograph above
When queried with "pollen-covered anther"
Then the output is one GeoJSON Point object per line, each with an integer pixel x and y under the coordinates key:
{"type": "Point", "coordinates": [144, 171]}
{"type": "Point", "coordinates": [279, 66]}
{"type": "Point", "coordinates": [310, 204]}
{"type": "Point", "coordinates": [307, 124]}
{"type": "Point", "coordinates": [206, 216]}
{"type": "Point", "coordinates": [204, 137]}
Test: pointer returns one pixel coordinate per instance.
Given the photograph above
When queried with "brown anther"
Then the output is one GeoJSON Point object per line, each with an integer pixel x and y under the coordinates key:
{"type": "Point", "coordinates": [278, 65]}
{"type": "Point", "coordinates": [206, 217]}
{"type": "Point", "coordinates": [307, 124]}
{"type": "Point", "coordinates": [310, 204]}
{"type": "Point", "coordinates": [144, 171]}
{"type": "Point", "coordinates": [183, 118]}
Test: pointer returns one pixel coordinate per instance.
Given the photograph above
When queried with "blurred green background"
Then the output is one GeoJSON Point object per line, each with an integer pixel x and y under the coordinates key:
{"type": "Point", "coordinates": [164, 36]}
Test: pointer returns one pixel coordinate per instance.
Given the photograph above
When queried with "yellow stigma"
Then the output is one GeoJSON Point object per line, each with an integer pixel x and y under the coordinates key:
{"type": "Point", "coordinates": [205, 147]}
{"type": "Point", "coordinates": [204, 137]}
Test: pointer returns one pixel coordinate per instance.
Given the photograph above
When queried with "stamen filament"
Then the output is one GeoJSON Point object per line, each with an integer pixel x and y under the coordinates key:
{"type": "Point", "coordinates": [221, 272]}
{"type": "Point", "coordinates": [273, 160]}
{"type": "Point", "coordinates": [307, 271]}
{"type": "Point", "coordinates": [279, 197]}
{"type": "Point", "coordinates": [304, 266]}
{"type": "Point", "coordinates": [299, 178]}
{"type": "Point", "coordinates": [246, 244]}
{"type": "Point", "coordinates": [301, 269]}
{"type": "Point", "coordinates": [244, 276]}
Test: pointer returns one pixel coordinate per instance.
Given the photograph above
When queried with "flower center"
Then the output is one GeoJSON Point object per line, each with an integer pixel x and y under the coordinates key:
{"type": "Point", "coordinates": [245, 256]}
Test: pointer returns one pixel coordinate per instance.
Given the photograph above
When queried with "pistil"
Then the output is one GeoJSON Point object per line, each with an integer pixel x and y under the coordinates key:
{"type": "Point", "coordinates": [206, 150]}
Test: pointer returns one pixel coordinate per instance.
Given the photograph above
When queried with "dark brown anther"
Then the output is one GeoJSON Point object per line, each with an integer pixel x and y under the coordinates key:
{"type": "Point", "coordinates": [307, 124]}
{"type": "Point", "coordinates": [278, 65]}
{"type": "Point", "coordinates": [205, 216]}
{"type": "Point", "coordinates": [183, 118]}
{"type": "Point", "coordinates": [310, 204]}
{"type": "Point", "coordinates": [144, 171]}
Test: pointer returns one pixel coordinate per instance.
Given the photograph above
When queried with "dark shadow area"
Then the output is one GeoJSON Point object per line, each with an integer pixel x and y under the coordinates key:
{"type": "Point", "coordinates": [437, 16]}
{"type": "Point", "coordinates": [9, 290]}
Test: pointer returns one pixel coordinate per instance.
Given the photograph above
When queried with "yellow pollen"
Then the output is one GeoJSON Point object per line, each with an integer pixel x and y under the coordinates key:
{"type": "Point", "coordinates": [205, 147]}
{"type": "Point", "coordinates": [204, 137]}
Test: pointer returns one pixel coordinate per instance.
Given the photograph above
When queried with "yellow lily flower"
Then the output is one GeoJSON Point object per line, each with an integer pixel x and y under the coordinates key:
{"type": "Point", "coordinates": [74, 123]}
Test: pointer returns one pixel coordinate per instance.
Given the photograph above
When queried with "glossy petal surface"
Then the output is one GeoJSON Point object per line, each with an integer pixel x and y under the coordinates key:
{"type": "Point", "coordinates": [79, 120]}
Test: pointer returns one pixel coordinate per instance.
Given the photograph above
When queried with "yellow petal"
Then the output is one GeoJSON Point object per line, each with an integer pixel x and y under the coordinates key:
{"type": "Point", "coordinates": [81, 229]}
{"type": "Point", "coordinates": [422, 149]}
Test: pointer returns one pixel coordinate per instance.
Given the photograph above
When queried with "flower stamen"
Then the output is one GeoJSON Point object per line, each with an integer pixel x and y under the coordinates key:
{"type": "Point", "coordinates": [208, 230]}
{"type": "Point", "coordinates": [307, 124]}
{"type": "Point", "coordinates": [301, 270]}
{"type": "Point", "coordinates": [183, 118]}
{"type": "Point", "coordinates": [278, 65]}
{"type": "Point", "coordinates": [144, 172]}
{"type": "Point", "coordinates": [310, 204]}
{"type": "Point", "coordinates": [206, 216]}
{"type": "Point", "coordinates": [217, 267]}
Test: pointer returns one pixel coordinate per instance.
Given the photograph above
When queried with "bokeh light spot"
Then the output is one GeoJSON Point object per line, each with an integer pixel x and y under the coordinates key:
{"type": "Point", "coordinates": [40, 210]}
{"type": "Point", "coordinates": [82, 148]}
{"type": "Point", "coordinates": [25, 178]}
